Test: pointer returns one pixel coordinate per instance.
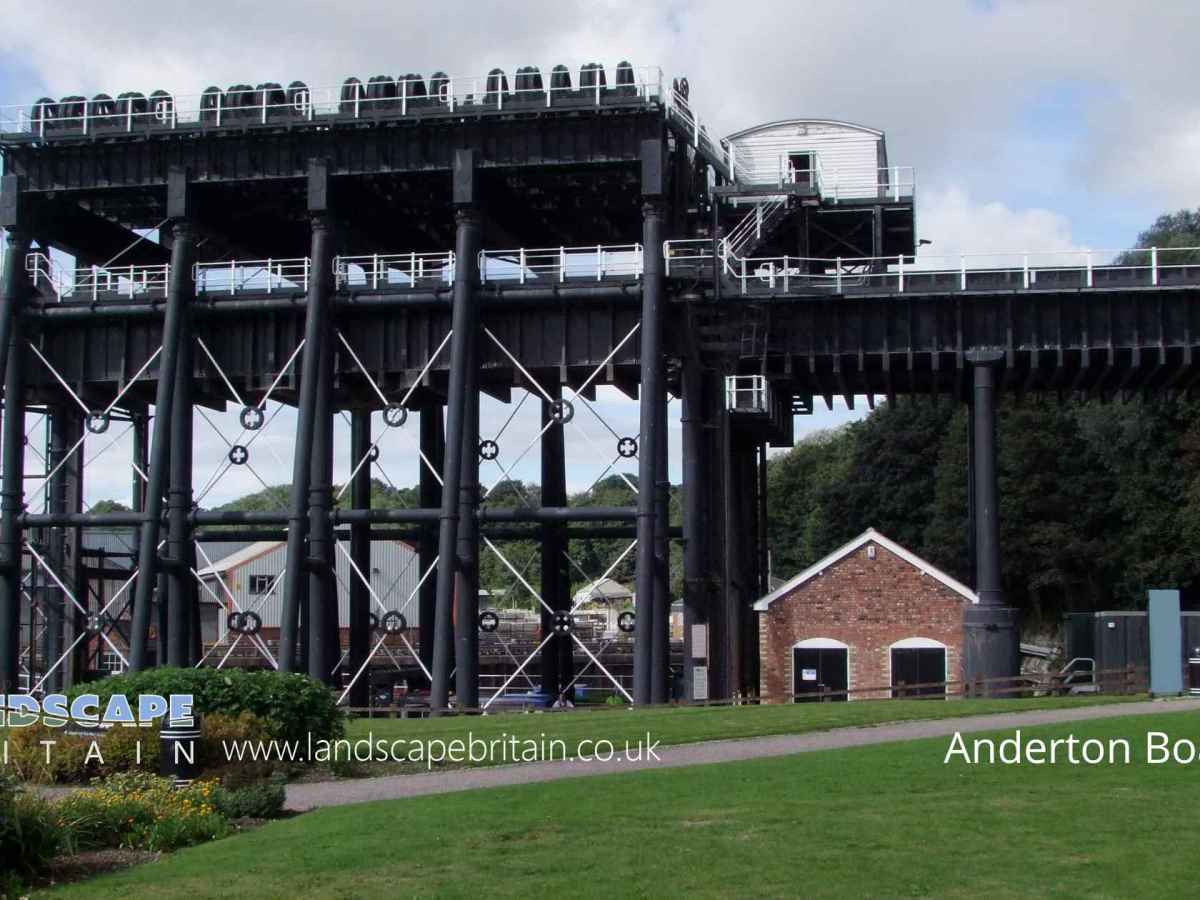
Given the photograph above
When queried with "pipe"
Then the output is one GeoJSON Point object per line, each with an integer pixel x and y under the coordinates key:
{"type": "Point", "coordinates": [554, 491]}
{"type": "Point", "coordinates": [320, 286]}
{"type": "Point", "coordinates": [466, 614]}
{"type": "Point", "coordinates": [433, 451]}
{"type": "Point", "coordinates": [179, 547]}
{"type": "Point", "coordinates": [323, 635]}
{"type": "Point", "coordinates": [651, 378]}
{"type": "Point", "coordinates": [465, 318]}
{"type": "Point", "coordinates": [179, 294]}
{"type": "Point", "coordinates": [987, 512]}
{"type": "Point", "coordinates": [695, 607]}
{"type": "Point", "coordinates": [660, 653]}
{"type": "Point", "coordinates": [360, 553]}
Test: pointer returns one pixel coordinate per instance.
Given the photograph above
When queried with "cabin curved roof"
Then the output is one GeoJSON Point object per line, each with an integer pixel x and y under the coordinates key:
{"type": "Point", "coordinates": [781, 122]}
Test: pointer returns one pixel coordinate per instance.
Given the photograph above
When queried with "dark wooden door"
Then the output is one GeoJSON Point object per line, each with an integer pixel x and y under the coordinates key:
{"type": "Point", "coordinates": [918, 665]}
{"type": "Point", "coordinates": [818, 670]}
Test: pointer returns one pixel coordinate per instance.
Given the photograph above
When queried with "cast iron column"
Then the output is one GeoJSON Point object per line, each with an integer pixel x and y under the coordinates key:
{"type": "Point", "coordinates": [180, 292]}
{"type": "Point", "coordinates": [992, 630]}
{"type": "Point", "coordinates": [323, 637]}
{"type": "Point", "coordinates": [433, 448]}
{"type": "Point", "coordinates": [554, 575]}
{"type": "Point", "coordinates": [360, 552]}
{"type": "Point", "coordinates": [318, 305]}
{"type": "Point", "coordinates": [12, 490]}
{"type": "Point", "coordinates": [660, 688]}
{"type": "Point", "coordinates": [695, 605]}
{"type": "Point", "coordinates": [466, 616]}
{"type": "Point", "coordinates": [651, 389]}
{"type": "Point", "coordinates": [464, 321]}
{"type": "Point", "coordinates": [181, 587]}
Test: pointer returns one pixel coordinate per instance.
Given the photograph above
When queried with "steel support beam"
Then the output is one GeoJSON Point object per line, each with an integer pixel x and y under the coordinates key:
{"type": "Point", "coordinates": [181, 585]}
{"type": "Point", "coordinates": [660, 688]}
{"type": "Point", "coordinates": [557, 657]}
{"type": "Point", "coordinates": [322, 618]}
{"type": "Point", "coordinates": [466, 614]}
{"type": "Point", "coordinates": [12, 296]}
{"type": "Point", "coordinates": [320, 290]}
{"type": "Point", "coordinates": [464, 320]}
{"type": "Point", "coordinates": [433, 451]}
{"type": "Point", "coordinates": [651, 389]}
{"type": "Point", "coordinates": [65, 495]}
{"type": "Point", "coordinates": [695, 580]}
{"type": "Point", "coordinates": [360, 553]}
{"type": "Point", "coordinates": [180, 293]}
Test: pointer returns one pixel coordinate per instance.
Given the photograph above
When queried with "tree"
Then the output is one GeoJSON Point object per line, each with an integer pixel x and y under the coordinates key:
{"type": "Point", "coordinates": [1169, 232]}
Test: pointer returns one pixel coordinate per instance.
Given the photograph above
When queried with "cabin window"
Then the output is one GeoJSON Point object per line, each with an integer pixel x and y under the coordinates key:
{"type": "Point", "coordinates": [801, 168]}
{"type": "Point", "coordinates": [260, 584]}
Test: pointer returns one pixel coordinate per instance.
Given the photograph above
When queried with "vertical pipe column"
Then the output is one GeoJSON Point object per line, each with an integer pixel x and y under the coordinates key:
{"type": "Point", "coordinates": [64, 495]}
{"type": "Point", "coordinates": [181, 587]}
{"type": "Point", "coordinates": [433, 448]}
{"type": "Point", "coordinates": [660, 688]}
{"type": "Point", "coordinates": [464, 320]}
{"type": "Point", "coordinates": [360, 552]}
{"type": "Point", "coordinates": [180, 293]}
{"type": "Point", "coordinates": [323, 636]}
{"type": "Point", "coordinates": [695, 595]}
{"type": "Point", "coordinates": [12, 296]}
{"type": "Point", "coordinates": [318, 304]}
{"type": "Point", "coordinates": [466, 615]}
{"type": "Point", "coordinates": [987, 513]}
{"type": "Point", "coordinates": [992, 633]}
{"type": "Point", "coordinates": [651, 389]}
{"type": "Point", "coordinates": [554, 493]}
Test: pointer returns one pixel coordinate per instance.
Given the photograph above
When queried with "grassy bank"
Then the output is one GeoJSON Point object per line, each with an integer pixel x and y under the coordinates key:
{"type": "Point", "coordinates": [884, 820]}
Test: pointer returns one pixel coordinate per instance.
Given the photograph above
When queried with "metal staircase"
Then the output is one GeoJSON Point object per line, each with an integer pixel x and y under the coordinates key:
{"type": "Point", "coordinates": [756, 226]}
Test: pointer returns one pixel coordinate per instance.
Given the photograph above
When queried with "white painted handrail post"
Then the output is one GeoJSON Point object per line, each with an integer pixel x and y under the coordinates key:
{"type": "Point", "coordinates": [838, 274]}
{"type": "Point", "coordinates": [562, 264]}
{"type": "Point", "coordinates": [1025, 271]}
{"type": "Point", "coordinates": [522, 264]}
{"type": "Point", "coordinates": [412, 269]}
{"type": "Point", "coordinates": [599, 262]}
{"type": "Point", "coordinates": [482, 268]}
{"type": "Point", "coordinates": [786, 274]}
{"type": "Point", "coordinates": [743, 276]}
{"type": "Point", "coordinates": [1154, 265]}
{"type": "Point", "coordinates": [306, 263]}
{"type": "Point", "coordinates": [1089, 268]}
{"type": "Point", "coordinates": [900, 272]}
{"type": "Point", "coordinates": [375, 270]}
{"type": "Point", "coordinates": [232, 276]}
{"type": "Point", "coordinates": [639, 262]}
{"type": "Point", "coordinates": [269, 277]}
{"type": "Point", "coordinates": [896, 184]}
{"type": "Point", "coordinates": [962, 269]}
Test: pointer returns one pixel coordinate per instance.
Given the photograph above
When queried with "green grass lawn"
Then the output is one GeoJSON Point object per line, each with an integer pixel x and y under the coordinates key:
{"type": "Point", "coordinates": [685, 725]}
{"type": "Point", "coordinates": [885, 820]}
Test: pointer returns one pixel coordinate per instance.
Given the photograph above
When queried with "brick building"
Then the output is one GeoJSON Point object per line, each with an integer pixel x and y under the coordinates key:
{"type": "Point", "coordinates": [870, 614]}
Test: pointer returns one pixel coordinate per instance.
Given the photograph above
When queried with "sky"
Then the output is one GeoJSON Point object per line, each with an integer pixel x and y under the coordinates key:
{"type": "Point", "coordinates": [1032, 124]}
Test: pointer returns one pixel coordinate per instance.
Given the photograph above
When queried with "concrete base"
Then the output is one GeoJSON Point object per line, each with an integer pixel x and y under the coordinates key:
{"type": "Point", "coordinates": [991, 644]}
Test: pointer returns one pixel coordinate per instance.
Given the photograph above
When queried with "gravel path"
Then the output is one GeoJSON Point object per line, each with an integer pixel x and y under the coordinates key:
{"type": "Point", "coordinates": [339, 793]}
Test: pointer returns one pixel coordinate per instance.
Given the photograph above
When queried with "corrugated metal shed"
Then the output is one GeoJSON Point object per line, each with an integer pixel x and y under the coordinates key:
{"type": "Point", "coordinates": [251, 570]}
{"type": "Point", "coordinates": [850, 156]}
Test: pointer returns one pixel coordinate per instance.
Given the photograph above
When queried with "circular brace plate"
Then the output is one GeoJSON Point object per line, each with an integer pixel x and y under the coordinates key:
{"type": "Point", "coordinates": [562, 411]}
{"type": "Point", "coordinates": [625, 621]}
{"type": "Point", "coordinates": [239, 455]}
{"type": "Point", "coordinates": [252, 418]}
{"type": "Point", "coordinates": [97, 422]}
{"type": "Point", "coordinates": [627, 447]}
{"type": "Point", "coordinates": [394, 622]}
{"type": "Point", "coordinates": [488, 449]}
{"type": "Point", "coordinates": [488, 621]}
{"type": "Point", "coordinates": [394, 415]}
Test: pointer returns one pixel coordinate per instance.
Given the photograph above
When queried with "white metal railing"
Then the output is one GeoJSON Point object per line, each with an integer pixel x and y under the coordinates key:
{"type": "Point", "coordinates": [560, 264]}
{"type": "Point", "coordinates": [297, 102]}
{"type": "Point", "coordinates": [719, 153]}
{"type": "Point", "coordinates": [1022, 270]}
{"type": "Point", "coordinates": [258, 275]}
{"type": "Point", "coordinates": [747, 394]}
{"type": "Point", "coordinates": [94, 281]}
{"type": "Point", "coordinates": [755, 224]}
{"type": "Point", "coordinates": [400, 269]}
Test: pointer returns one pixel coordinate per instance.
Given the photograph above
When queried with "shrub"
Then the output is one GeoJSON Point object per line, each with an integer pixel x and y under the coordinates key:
{"type": "Point", "coordinates": [261, 800]}
{"type": "Point", "coordinates": [292, 705]}
{"type": "Point", "coordinates": [219, 730]}
{"type": "Point", "coordinates": [141, 812]}
{"type": "Point", "coordinates": [71, 760]}
{"type": "Point", "coordinates": [29, 835]}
